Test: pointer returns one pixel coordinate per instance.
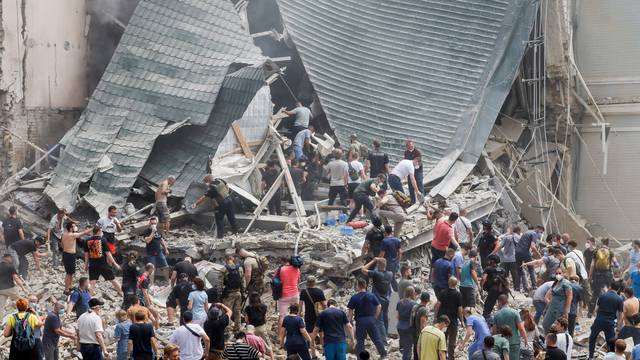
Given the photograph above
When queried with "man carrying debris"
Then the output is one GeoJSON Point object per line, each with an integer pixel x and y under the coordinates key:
{"type": "Point", "coordinates": [54, 233]}
{"type": "Point", "coordinates": [405, 169]}
{"type": "Point", "coordinates": [69, 241]}
{"type": "Point", "coordinates": [339, 178]}
{"type": "Point", "coordinates": [12, 230]}
{"type": "Point", "coordinates": [232, 294]}
{"type": "Point", "coordinates": [219, 194]}
{"type": "Point", "coordinates": [8, 280]}
{"type": "Point", "coordinates": [156, 247]}
{"type": "Point", "coordinates": [416, 187]}
{"type": "Point", "coordinates": [98, 261]}
{"type": "Point", "coordinates": [362, 194]}
{"type": "Point", "coordinates": [254, 269]}
{"type": "Point", "coordinates": [20, 249]}
{"type": "Point", "coordinates": [162, 210]}
{"type": "Point", "coordinates": [301, 122]}
{"type": "Point", "coordinates": [377, 162]}
{"type": "Point", "coordinates": [302, 141]}
{"type": "Point", "coordinates": [110, 225]}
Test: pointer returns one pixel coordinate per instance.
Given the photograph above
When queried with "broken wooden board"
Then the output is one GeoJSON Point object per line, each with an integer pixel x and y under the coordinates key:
{"type": "Point", "coordinates": [246, 149]}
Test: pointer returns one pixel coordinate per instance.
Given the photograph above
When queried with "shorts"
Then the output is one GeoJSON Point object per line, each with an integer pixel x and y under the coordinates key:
{"type": "Point", "coordinates": [69, 262]}
{"type": "Point", "coordinates": [351, 187]}
{"type": "Point", "coordinates": [468, 296]}
{"type": "Point", "coordinates": [111, 242]}
{"type": "Point", "coordinates": [101, 270]}
{"type": "Point", "coordinates": [162, 210]}
{"type": "Point", "coordinates": [172, 302]}
{"type": "Point", "coordinates": [285, 302]}
{"type": "Point", "coordinates": [159, 261]}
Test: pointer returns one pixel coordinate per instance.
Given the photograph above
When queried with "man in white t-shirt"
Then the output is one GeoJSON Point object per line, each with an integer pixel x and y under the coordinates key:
{"type": "Point", "coordinates": [565, 341]}
{"type": "Point", "coordinates": [462, 228]}
{"type": "Point", "coordinates": [91, 332]}
{"type": "Point", "coordinates": [356, 173]}
{"type": "Point", "coordinates": [338, 178]}
{"type": "Point", "coordinates": [188, 337]}
{"type": "Point", "coordinates": [405, 169]}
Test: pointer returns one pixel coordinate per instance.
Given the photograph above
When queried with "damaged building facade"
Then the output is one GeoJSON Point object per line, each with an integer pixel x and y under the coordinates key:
{"type": "Point", "coordinates": [485, 88]}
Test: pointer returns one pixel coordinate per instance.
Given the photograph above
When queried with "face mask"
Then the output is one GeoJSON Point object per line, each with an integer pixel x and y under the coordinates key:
{"type": "Point", "coordinates": [559, 277]}
{"type": "Point", "coordinates": [587, 245]}
{"type": "Point", "coordinates": [60, 312]}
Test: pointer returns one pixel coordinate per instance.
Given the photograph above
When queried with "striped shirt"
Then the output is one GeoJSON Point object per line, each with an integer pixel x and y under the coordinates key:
{"type": "Point", "coordinates": [240, 351]}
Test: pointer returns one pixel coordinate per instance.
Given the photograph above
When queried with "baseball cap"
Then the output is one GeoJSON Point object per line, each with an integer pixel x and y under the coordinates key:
{"type": "Point", "coordinates": [95, 302]}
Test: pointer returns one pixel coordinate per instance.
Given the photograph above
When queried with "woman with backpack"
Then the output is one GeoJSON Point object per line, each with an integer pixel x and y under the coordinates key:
{"type": "Point", "coordinates": [22, 326]}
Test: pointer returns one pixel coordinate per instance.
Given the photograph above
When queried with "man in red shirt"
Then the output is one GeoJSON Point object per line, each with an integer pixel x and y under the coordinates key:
{"type": "Point", "coordinates": [290, 277]}
{"type": "Point", "coordinates": [443, 236]}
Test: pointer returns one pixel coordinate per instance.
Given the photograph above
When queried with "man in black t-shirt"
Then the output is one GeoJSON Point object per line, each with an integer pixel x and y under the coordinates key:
{"type": "Point", "coordinates": [179, 297]}
{"type": "Point", "coordinates": [373, 240]}
{"type": "Point", "coordinates": [269, 176]}
{"type": "Point", "coordinates": [219, 194]}
{"type": "Point", "coordinates": [142, 339]}
{"type": "Point", "coordinates": [8, 281]}
{"type": "Point", "coordinates": [487, 242]}
{"type": "Point", "coordinates": [19, 251]}
{"type": "Point", "coordinates": [215, 326]}
{"type": "Point", "coordinates": [377, 161]}
{"type": "Point", "coordinates": [12, 227]}
{"type": "Point", "coordinates": [184, 267]}
{"type": "Point", "coordinates": [98, 261]}
{"type": "Point", "coordinates": [157, 250]}
{"type": "Point", "coordinates": [450, 304]}
{"type": "Point", "coordinates": [309, 298]}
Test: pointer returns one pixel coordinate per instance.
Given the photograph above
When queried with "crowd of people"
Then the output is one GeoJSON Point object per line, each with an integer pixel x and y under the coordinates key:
{"type": "Point", "coordinates": [467, 295]}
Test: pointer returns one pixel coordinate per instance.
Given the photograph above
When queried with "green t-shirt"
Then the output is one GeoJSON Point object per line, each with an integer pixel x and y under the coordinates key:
{"type": "Point", "coordinates": [501, 346]}
{"type": "Point", "coordinates": [508, 316]}
{"type": "Point", "coordinates": [364, 188]}
{"type": "Point", "coordinates": [432, 341]}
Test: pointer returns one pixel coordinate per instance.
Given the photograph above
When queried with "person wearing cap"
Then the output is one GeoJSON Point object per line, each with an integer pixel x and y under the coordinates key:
{"type": "Point", "coordinates": [8, 280]}
{"type": "Point", "coordinates": [377, 162]}
{"type": "Point", "coordinates": [312, 302]}
{"type": "Point", "coordinates": [54, 233]}
{"type": "Point", "coordinates": [12, 229]}
{"type": "Point", "coordinates": [91, 333]}
{"type": "Point", "coordinates": [53, 331]}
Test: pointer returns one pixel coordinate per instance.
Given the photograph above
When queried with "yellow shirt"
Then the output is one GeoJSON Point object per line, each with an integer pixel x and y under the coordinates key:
{"type": "Point", "coordinates": [32, 321]}
{"type": "Point", "coordinates": [432, 341]}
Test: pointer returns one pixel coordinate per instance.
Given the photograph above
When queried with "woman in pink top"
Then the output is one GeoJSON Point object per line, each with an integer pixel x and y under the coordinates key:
{"type": "Point", "coordinates": [290, 277]}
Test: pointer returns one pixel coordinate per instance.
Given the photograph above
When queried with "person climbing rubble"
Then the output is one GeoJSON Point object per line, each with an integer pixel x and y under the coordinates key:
{"type": "Point", "coordinates": [156, 247]}
{"type": "Point", "coordinates": [233, 291]}
{"type": "Point", "coordinates": [99, 261]}
{"type": "Point", "coordinates": [254, 267]}
{"type": "Point", "coordinates": [110, 226]}
{"type": "Point", "coordinates": [219, 194]}
{"type": "Point", "coordinates": [361, 196]}
{"type": "Point", "coordinates": [162, 209]}
{"type": "Point", "coordinates": [69, 248]}
{"type": "Point", "coordinates": [55, 229]}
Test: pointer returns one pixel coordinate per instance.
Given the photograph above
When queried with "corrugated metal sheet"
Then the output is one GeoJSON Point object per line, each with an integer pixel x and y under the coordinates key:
{"type": "Point", "coordinates": [169, 66]}
{"type": "Point", "coordinates": [435, 71]}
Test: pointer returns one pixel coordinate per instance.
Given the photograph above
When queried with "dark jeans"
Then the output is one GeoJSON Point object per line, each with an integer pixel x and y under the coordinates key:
{"type": "Point", "coordinates": [452, 338]}
{"type": "Point", "coordinates": [630, 332]}
{"type": "Point", "coordinates": [91, 352]}
{"type": "Point", "coordinates": [275, 204]}
{"type": "Point", "coordinates": [419, 181]}
{"type": "Point", "coordinates": [512, 268]}
{"type": "Point", "coordinates": [490, 302]}
{"type": "Point", "coordinates": [599, 281]}
{"type": "Point", "coordinates": [334, 191]}
{"type": "Point", "coordinates": [393, 267]}
{"type": "Point", "coordinates": [572, 323]}
{"type": "Point", "coordinates": [361, 200]}
{"type": "Point", "coordinates": [395, 183]}
{"type": "Point", "coordinates": [225, 209]}
{"type": "Point", "coordinates": [539, 306]}
{"type": "Point", "coordinates": [406, 343]}
{"type": "Point", "coordinates": [368, 325]}
{"type": "Point", "coordinates": [520, 259]}
{"type": "Point", "coordinates": [383, 321]}
{"type": "Point", "coordinates": [609, 334]}
{"type": "Point", "coordinates": [301, 350]}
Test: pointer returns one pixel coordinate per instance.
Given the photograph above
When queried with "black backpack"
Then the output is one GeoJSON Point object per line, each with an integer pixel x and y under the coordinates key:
{"type": "Point", "coordinates": [276, 286]}
{"type": "Point", "coordinates": [232, 279]}
{"type": "Point", "coordinates": [23, 335]}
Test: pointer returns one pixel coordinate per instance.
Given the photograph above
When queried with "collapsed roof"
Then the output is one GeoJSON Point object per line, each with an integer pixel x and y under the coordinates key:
{"type": "Point", "coordinates": [182, 72]}
{"type": "Point", "coordinates": [435, 71]}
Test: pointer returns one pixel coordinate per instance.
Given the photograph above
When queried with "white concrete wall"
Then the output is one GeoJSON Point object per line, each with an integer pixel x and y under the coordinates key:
{"type": "Point", "coordinates": [13, 50]}
{"type": "Point", "coordinates": [56, 67]}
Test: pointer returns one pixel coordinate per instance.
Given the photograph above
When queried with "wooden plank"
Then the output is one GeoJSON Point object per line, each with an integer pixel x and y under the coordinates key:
{"type": "Point", "coordinates": [292, 188]}
{"type": "Point", "coordinates": [245, 194]}
{"type": "Point", "coordinates": [246, 149]}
